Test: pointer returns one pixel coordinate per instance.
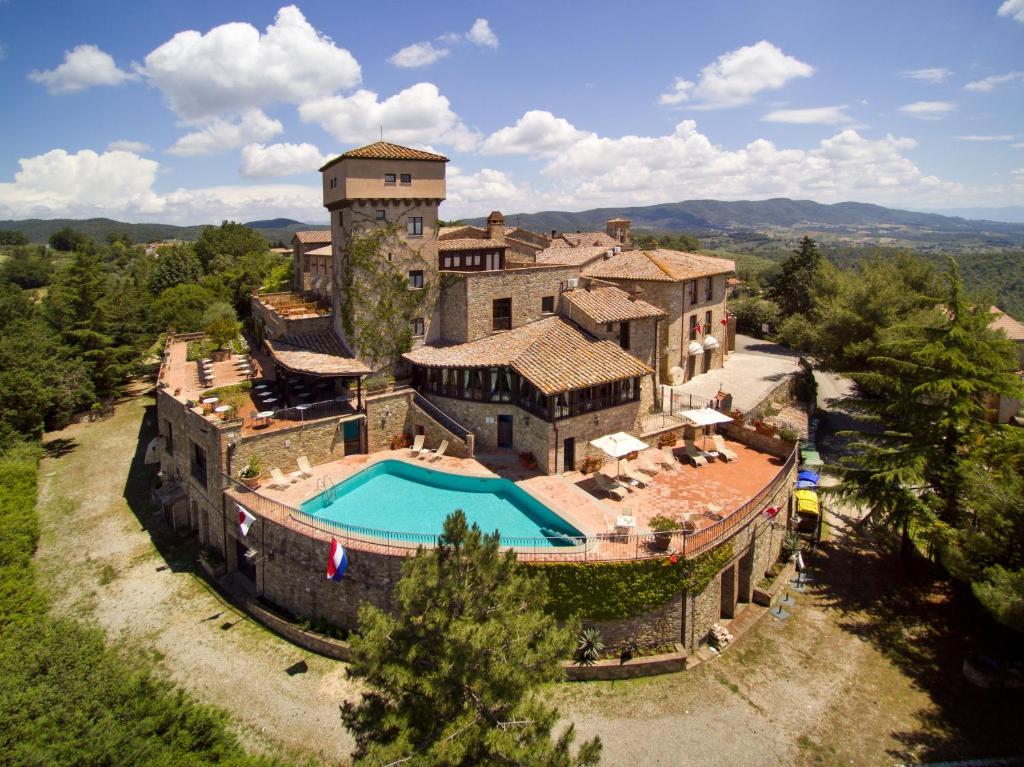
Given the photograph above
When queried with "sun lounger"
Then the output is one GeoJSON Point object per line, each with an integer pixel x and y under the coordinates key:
{"type": "Point", "coordinates": [696, 456]}
{"type": "Point", "coordinates": [633, 475]}
{"type": "Point", "coordinates": [440, 451]}
{"type": "Point", "coordinates": [278, 479]}
{"type": "Point", "coordinates": [727, 453]}
{"type": "Point", "coordinates": [610, 486]}
{"type": "Point", "coordinates": [669, 459]}
{"type": "Point", "coordinates": [417, 445]}
{"type": "Point", "coordinates": [305, 469]}
{"type": "Point", "coordinates": [646, 465]}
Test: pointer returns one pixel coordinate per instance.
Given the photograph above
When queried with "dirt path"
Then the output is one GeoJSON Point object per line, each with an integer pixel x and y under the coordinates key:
{"type": "Point", "coordinates": [105, 556]}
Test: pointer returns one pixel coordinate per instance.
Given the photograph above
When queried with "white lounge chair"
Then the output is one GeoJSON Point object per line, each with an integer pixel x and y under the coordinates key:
{"type": "Point", "coordinates": [417, 445]}
{"type": "Point", "coordinates": [646, 465]}
{"type": "Point", "coordinates": [633, 475]}
{"type": "Point", "coordinates": [440, 451]}
{"type": "Point", "coordinates": [668, 458]}
{"type": "Point", "coordinates": [720, 447]}
{"type": "Point", "coordinates": [696, 456]}
{"type": "Point", "coordinates": [610, 486]}
{"type": "Point", "coordinates": [305, 468]}
{"type": "Point", "coordinates": [278, 479]}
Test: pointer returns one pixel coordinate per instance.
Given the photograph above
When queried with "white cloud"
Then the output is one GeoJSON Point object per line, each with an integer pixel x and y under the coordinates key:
{"type": "Point", "coordinates": [83, 67]}
{"type": "Point", "coordinates": [934, 75]}
{"type": "Point", "coordinates": [976, 137]}
{"type": "Point", "coordinates": [482, 34]}
{"type": "Point", "coordinates": [418, 55]}
{"type": "Point", "coordinates": [485, 190]}
{"type": "Point", "coordinates": [233, 68]}
{"type": "Point", "coordinates": [928, 110]}
{"type": "Point", "coordinates": [736, 77]}
{"type": "Point", "coordinates": [987, 84]}
{"type": "Point", "coordinates": [536, 133]}
{"type": "Point", "coordinates": [810, 116]}
{"type": "Point", "coordinates": [136, 147]}
{"type": "Point", "coordinates": [417, 115]}
{"type": "Point", "coordinates": [678, 93]}
{"type": "Point", "coordinates": [1014, 9]}
{"type": "Point", "coordinates": [279, 159]}
{"type": "Point", "coordinates": [1019, 145]}
{"type": "Point", "coordinates": [218, 135]}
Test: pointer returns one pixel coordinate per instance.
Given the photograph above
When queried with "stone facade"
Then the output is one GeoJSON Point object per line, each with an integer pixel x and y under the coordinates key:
{"type": "Point", "coordinates": [320, 441]}
{"type": "Point", "coordinates": [387, 416]}
{"type": "Point", "coordinates": [269, 324]}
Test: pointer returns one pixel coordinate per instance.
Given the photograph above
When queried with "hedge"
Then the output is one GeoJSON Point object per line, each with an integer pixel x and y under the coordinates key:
{"type": "Point", "coordinates": [610, 590]}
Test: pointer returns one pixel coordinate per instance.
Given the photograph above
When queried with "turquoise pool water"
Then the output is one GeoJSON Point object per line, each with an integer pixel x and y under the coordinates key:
{"type": "Point", "coordinates": [414, 500]}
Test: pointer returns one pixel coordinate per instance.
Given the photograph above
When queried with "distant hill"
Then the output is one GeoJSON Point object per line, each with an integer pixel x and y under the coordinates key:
{"type": "Point", "coordinates": [39, 230]}
{"type": "Point", "coordinates": [1010, 214]}
{"type": "Point", "coordinates": [849, 219]}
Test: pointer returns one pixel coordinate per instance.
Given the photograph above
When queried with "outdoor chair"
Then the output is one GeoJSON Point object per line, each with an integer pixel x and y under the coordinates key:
{"type": "Point", "coordinates": [696, 456]}
{"type": "Point", "coordinates": [727, 453]}
{"type": "Point", "coordinates": [633, 475]}
{"type": "Point", "coordinates": [305, 468]}
{"type": "Point", "coordinates": [669, 457]}
{"type": "Point", "coordinates": [417, 445]}
{"type": "Point", "coordinates": [278, 479]}
{"type": "Point", "coordinates": [644, 464]}
{"type": "Point", "coordinates": [610, 486]}
{"type": "Point", "coordinates": [440, 451]}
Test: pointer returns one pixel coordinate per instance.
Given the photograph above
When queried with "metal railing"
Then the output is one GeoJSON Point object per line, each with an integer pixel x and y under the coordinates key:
{"type": "Point", "coordinates": [607, 547]}
{"type": "Point", "coordinates": [440, 416]}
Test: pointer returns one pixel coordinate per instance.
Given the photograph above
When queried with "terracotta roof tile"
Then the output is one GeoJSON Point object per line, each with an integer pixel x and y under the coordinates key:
{"type": "Point", "coordinates": [383, 150]}
{"type": "Point", "coordinates": [315, 353]}
{"type": "Point", "coordinates": [324, 251]}
{"type": "Point", "coordinates": [610, 304]}
{"type": "Point", "coordinates": [467, 243]}
{"type": "Point", "coordinates": [312, 236]}
{"type": "Point", "coordinates": [1014, 330]}
{"type": "Point", "coordinates": [553, 354]}
{"type": "Point", "coordinates": [460, 232]}
{"type": "Point", "coordinates": [578, 239]}
{"type": "Point", "coordinates": [571, 256]}
{"type": "Point", "coordinates": [658, 265]}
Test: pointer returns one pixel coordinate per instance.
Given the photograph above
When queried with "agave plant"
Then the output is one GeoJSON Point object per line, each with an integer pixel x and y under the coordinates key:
{"type": "Point", "coordinates": [589, 646]}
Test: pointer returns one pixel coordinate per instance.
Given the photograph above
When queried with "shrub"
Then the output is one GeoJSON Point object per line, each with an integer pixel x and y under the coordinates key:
{"type": "Point", "coordinates": [252, 469]}
{"type": "Point", "coordinates": [662, 523]}
{"type": "Point", "coordinates": [786, 434]}
{"type": "Point", "coordinates": [589, 646]}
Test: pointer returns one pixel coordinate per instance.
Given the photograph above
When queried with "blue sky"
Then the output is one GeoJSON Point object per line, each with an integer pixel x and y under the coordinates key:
{"type": "Point", "coordinates": [195, 112]}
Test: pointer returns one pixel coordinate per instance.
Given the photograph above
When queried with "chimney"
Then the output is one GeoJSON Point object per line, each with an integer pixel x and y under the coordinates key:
{"type": "Point", "coordinates": [554, 233]}
{"type": "Point", "coordinates": [609, 253]}
{"type": "Point", "coordinates": [496, 226]}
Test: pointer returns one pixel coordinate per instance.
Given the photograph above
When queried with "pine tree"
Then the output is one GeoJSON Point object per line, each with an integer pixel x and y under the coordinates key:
{"type": "Point", "coordinates": [931, 376]}
{"type": "Point", "coordinates": [453, 674]}
{"type": "Point", "coordinates": [792, 289]}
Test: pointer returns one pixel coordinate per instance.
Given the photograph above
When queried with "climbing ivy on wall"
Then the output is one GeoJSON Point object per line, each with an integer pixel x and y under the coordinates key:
{"type": "Point", "coordinates": [607, 590]}
{"type": "Point", "coordinates": [377, 305]}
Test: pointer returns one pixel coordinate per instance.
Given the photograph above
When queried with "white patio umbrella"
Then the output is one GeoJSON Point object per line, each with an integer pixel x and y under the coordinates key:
{"type": "Point", "coordinates": [619, 444]}
{"type": "Point", "coordinates": [703, 417]}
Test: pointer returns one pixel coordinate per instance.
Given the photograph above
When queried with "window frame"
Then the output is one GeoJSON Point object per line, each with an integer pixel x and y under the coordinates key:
{"type": "Point", "coordinates": [382, 214]}
{"type": "Point", "coordinates": [501, 321]}
{"type": "Point", "coordinates": [709, 290]}
{"type": "Point", "coordinates": [405, 179]}
{"type": "Point", "coordinates": [418, 327]}
{"type": "Point", "coordinates": [414, 226]}
{"type": "Point", "coordinates": [416, 279]}
{"type": "Point", "coordinates": [547, 304]}
{"type": "Point", "coordinates": [390, 179]}
{"type": "Point", "coordinates": [693, 327]}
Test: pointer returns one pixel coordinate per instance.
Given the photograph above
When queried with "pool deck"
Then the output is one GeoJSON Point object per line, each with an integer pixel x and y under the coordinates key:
{"type": "Point", "coordinates": [687, 493]}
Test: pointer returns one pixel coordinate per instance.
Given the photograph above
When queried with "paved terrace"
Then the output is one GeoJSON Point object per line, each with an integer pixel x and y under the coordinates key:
{"type": "Point", "coordinates": [181, 379]}
{"type": "Point", "coordinates": [687, 493]}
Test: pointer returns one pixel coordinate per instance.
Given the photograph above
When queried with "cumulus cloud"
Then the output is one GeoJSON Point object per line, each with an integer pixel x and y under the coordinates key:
{"type": "Point", "coordinates": [84, 66]}
{"type": "Point", "coordinates": [928, 110]}
{"type": "Point", "coordinates": [137, 147]}
{"type": "Point", "coordinates": [736, 77]}
{"type": "Point", "coordinates": [218, 135]}
{"type": "Point", "coordinates": [992, 82]}
{"type": "Point", "coordinates": [934, 75]}
{"type": "Point", "coordinates": [279, 159]}
{"type": "Point", "coordinates": [977, 137]}
{"type": "Point", "coordinates": [482, 34]}
{"type": "Point", "coordinates": [233, 68]}
{"type": "Point", "coordinates": [536, 133]}
{"type": "Point", "coordinates": [1014, 9]}
{"type": "Point", "coordinates": [810, 116]}
{"type": "Point", "coordinates": [418, 55]}
{"type": "Point", "coordinates": [417, 115]}
{"type": "Point", "coordinates": [485, 190]}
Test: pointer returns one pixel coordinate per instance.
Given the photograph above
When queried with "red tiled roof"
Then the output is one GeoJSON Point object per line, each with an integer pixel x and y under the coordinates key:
{"type": "Point", "coordinates": [658, 265]}
{"type": "Point", "coordinates": [315, 353]}
{"type": "Point", "coordinates": [383, 150]}
{"type": "Point", "coordinates": [609, 304]}
{"type": "Point", "coordinates": [468, 243]}
{"type": "Point", "coordinates": [553, 354]}
{"type": "Point", "coordinates": [323, 251]}
{"type": "Point", "coordinates": [1002, 321]}
{"type": "Point", "coordinates": [571, 256]}
{"type": "Point", "coordinates": [579, 239]}
{"type": "Point", "coordinates": [460, 232]}
{"type": "Point", "coordinates": [313, 236]}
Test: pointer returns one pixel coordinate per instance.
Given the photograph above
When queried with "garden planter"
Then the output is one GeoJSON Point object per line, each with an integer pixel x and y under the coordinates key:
{"type": "Point", "coordinates": [250, 482]}
{"type": "Point", "coordinates": [765, 428]}
{"type": "Point", "coordinates": [219, 355]}
{"type": "Point", "coordinates": [661, 541]}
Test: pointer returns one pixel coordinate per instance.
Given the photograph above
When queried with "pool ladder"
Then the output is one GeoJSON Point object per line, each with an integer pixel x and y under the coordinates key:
{"type": "Point", "coordinates": [329, 491]}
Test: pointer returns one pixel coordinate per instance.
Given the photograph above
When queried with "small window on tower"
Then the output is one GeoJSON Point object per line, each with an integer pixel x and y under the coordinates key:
{"type": "Point", "coordinates": [381, 215]}
{"type": "Point", "coordinates": [390, 257]}
{"type": "Point", "coordinates": [389, 178]}
{"type": "Point", "coordinates": [547, 305]}
{"type": "Point", "coordinates": [415, 226]}
{"type": "Point", "coordinates": [406, 178]}
{"type": "Point", "coordinates": [417, 326]}
{"type": "Point", "coordinates": [416, 278]}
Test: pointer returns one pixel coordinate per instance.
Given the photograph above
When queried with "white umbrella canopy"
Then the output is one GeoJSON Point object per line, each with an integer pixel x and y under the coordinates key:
{"type": "Point", "coordinates": [619, 444]}
{"type": "Point", "coordinates": [705, 416]}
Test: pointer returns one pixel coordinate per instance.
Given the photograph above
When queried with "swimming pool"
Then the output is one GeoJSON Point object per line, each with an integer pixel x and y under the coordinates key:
{"type": "Point", "coordinates": [411, 502]}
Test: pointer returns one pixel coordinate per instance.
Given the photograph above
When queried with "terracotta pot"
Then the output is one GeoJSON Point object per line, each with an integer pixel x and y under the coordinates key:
{"type": "Point", "coordinates": [250, 482]}
{"type": "Point", "coordinates": [219, 355]}
{"type": "Point", "coordinates": [661, 541]}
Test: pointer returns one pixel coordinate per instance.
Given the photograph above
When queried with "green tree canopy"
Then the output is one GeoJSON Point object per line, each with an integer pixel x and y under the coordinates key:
{"type": "Point", "coordinates": [67, 239]}
{"type": "Point", "coordinates": [452, 676]}
{"type": "Point", "coordinates": [227, 243]}
{"type": "Point", "coordinates": [182, 308]}
{"type": "Point", "coordinates": [220, 322]}
{"type": "Point", "coordinates": [175, 264]}
{"type": "Point", "coordinates": [13, 237]}
{"type": "Point", "coordinates": [792, 288]}
{"type": "Point", "coordinates": [27, 267]}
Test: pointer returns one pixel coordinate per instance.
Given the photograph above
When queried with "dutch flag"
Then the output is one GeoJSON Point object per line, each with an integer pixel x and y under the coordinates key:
{"type": "Point", "coordinates": [245, 519]}
{"type": "Point", "coordinates": [337, 562]}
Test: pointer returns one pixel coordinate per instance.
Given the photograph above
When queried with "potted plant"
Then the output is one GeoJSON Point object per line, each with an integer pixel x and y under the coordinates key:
{"type": "Point", "coordinates": [763, 427]}
{"type": "Point", "coordinates": [250, 474]}
{"type": "Point", "coordinates": [528, 461]}
{"type": "Point", "coordinates": [787, 434]}
{"type": "Point", "coordinates": [591, 464]}
{"type": "Point", "coordinates": [663, 526]}
{"type": "Point", "coordinates": [400, 441]}
{"type": "Point", "coordinates": [589, 646]}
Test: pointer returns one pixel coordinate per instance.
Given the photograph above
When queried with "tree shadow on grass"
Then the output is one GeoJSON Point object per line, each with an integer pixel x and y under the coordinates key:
{"type": "Point", "coordinates": [175, 550]}
{"type": "Point", "coordinates": [925, 624]}
{"type": "Point", "coordinates": [55, 448]}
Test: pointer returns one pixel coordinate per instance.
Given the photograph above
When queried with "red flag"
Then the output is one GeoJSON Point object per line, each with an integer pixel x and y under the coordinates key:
{"type": "Point", "coordinates": [245, 520]}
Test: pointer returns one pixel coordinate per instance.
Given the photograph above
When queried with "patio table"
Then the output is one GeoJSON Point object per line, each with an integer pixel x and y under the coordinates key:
{"type": "Point", "coordinates": [209, 402]}
{"type": "Point", "coordinates": [222, 411]}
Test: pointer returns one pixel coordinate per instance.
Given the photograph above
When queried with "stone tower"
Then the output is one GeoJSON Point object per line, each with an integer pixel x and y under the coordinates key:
{"type": "Point", "coordinates": [378, 186]}
{"type": "Point", "coordinates": [619, 228]}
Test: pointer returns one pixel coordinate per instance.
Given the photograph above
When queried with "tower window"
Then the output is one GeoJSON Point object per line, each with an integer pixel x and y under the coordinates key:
{"type": "Point", "coordinates": [709, 291]}
{"type": "Point", "coordinates": [333, 182]}
{"type": "Point", "coordinates": [406, 178]}
{"type": "Point", "coordinates": [547, 305]}
{"type": "Point", "coordinates": [415, 226]}
{"type": "Point", "coordinates": [389, 178]}
{"type": "Point", "coordinates": [381, 215]}
{"type": "Point", "coordinates": [502, 313]}
{"type": "Point", "coordinates": [416, 278]}
{"type": "Point", "coordinates": [417, 326]}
